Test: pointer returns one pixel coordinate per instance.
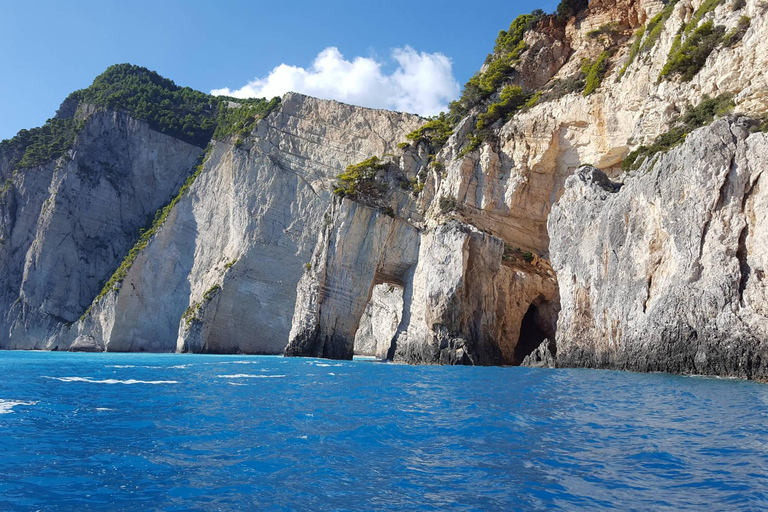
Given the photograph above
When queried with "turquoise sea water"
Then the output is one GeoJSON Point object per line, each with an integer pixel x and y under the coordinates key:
{"type": "Point", "coordinates": [192, 432]}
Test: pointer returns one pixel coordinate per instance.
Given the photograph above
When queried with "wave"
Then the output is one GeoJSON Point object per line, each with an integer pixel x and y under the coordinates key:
{"type": "Point", "coordinates": [249, 376]}
{"type": "Point", "coordinates": [6, 406]}
{"type": "Point", "coordinates": [111, 381]}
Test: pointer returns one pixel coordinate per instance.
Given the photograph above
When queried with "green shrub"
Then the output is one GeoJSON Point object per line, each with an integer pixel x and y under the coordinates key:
{"type": "Point", "coordinates": [609, 29]}
{"type": "Point", "coordinates": [436, 131]}
{"type": "Point", "coordinates": [738, 5]}
{"type": "Point", "coordinates": [569, 8]}
{"type": "Point", "coordinates": [512, 98]}
{"type": "Point", "coordinates": [500, 66]}
{"type": "Point", "coordinates": [239, 117]}
{"type": "Point", "coordinates": [705, 8]}
{"type": "Point", "coordinates": [181, 112]}
{"type": "Point", "coordinates": [211, 292]}
{"type": "Point", "coordinates": [230, 264]}
{"type": "Point", "coordinates": [360, 179]}
{"type": "Point", "coordinates": [30, 148]}
{"type": "Point", "coordinates": [558, 88]}
{"type": "Point", "coordinates": [403, 145]}
{"type": "Point", "coordinates": [595, 72]}
{"type": "Point", "coordinates": [178, 111]}
{"type": "Point", "coordinates": [646, 37]}
{"type": "Point", "coordinates": [528, 257]}
{"type": "Point", "coordinates": [689, 57]}
{"type": "Point", "coordinates": [759, 124]}
{"type": "Point", "coordinates": [509, 41]}
{"type": "Point", "coordinates": [736, 34]}
{"type": "Point", "coordinates": [634, 50]}
{"type": "Point", "coordinates": [700, 115]}
{"type": "Point", "coordinates": [191, 313]}
{"type": "Point", "coordinates": [533, 100]}
{"type": "Point", "coordinates": [473, 142]}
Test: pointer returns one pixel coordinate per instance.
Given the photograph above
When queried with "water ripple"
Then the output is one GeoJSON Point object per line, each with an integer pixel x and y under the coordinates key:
{"type": "Point", "coordinates": [371, 436]}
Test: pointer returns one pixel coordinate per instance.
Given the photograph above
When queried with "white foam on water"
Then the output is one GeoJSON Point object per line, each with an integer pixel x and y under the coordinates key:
{"type": "Point", "coordinates": [250, 376]}
{"type": "Point", "coordinates": [121, 366]}
{"type": "Point", "coordinates": [111, 381]}
{"type": "Point", "coordinates": [180, 366]}
{"type": "Point", "coordinates": [6, 406]}
{"type": "Point", "coordinates": [102, 409]}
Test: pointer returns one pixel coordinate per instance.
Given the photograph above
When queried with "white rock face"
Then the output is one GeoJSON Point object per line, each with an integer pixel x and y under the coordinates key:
{"type": "Point", "coordinates": [65, 226]}
{"type": "Point", "coordinates": [462, 302]}
{"type": "Point", "coordinates": [243, 234]}
{"type": "Point", "coordinates": [259, 253]}
{"type": "Point", "coordinates": [667, 274]}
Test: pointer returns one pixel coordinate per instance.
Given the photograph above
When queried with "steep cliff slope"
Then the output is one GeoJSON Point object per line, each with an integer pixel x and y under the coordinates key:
{"type": "Point", "coordinates": [608, 87]}
{"type": "Point", "coordinates": [65, 225]}
{"type": "Point", "coordinates": [220, 275]}
{"type": "Point", "coordinates": [592, 199]}
{"type": "Point", "coordinates": [667, 274]}
{"type": "Point", "coordinates": [126, 235]}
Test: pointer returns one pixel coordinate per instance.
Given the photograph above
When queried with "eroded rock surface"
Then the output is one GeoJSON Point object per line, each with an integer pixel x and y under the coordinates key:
{"type": "Point", "coordinates": [221, 274]}
{"type": "Point", "coordinates": [667, 273]}
{"type": "Point", "coordinates": [65, 226]}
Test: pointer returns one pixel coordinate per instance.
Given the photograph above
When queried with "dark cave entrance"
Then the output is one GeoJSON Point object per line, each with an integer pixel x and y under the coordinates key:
{"type": "Point", "coordinates": [531, 335]}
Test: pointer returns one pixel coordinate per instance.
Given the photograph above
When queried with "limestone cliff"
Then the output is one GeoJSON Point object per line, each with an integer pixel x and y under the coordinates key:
{"type": "Point", "coordinates": [66, 225]}
{"type": "Point", "coordinates": [667, 274]}
{"type": "Point", "coordinates": [220, 273]}
{"type": "Point", "coordinates": [591, 200]}
{"type": "Point", "coordinates": [470, 247]}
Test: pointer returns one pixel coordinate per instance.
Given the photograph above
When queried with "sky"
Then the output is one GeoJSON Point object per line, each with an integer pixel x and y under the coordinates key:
{"type": "Point", "coordinates": [411, 55]}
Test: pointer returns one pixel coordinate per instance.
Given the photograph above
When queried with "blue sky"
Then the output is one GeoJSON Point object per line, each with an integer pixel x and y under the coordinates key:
{"type": "Point", "coordinates": [389, 52]}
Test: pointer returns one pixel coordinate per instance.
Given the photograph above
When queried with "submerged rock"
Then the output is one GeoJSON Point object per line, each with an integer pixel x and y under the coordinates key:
{"type": "Point", "coordinates": [542, 356]}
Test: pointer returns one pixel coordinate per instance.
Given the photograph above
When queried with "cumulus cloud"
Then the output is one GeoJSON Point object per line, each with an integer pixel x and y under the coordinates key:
{"type": "Point", "coordinates": [422, 83]}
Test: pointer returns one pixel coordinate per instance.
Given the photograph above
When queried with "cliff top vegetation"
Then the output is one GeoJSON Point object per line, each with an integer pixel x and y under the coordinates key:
{"type": "Point", "coordinates": [181, 112]}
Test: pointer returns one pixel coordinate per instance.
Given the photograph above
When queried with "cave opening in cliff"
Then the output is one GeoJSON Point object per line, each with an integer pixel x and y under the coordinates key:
{"type": "Point", "coordinates": [531, 334]}
{"type": "Point", "coordinates": [380, 321]}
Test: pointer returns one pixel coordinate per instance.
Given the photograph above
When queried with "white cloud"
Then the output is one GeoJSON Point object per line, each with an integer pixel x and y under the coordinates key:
{"type": "Point", "coordinates": [422, 83]}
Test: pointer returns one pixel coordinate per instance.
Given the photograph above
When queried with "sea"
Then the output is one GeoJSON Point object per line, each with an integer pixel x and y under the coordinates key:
{"type": "Point", "coordinates": [176, 432]}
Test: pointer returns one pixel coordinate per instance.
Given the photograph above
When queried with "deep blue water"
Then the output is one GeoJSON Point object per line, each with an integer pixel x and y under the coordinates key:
{"type": "Point", "coordinates": [191, 432]}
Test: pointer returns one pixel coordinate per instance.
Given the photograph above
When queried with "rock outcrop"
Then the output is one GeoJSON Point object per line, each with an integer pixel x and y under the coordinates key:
{"type": "Point", "coordinates": [667, 273]}
{"type": "Point", "coordinates": [578, 207]}
{"type": "Point", "coordinates": [469, 295]}
{"type": "Point", "coordinates": [220, 275]}
{"type": "Point", "coordinates": [66, 225]}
